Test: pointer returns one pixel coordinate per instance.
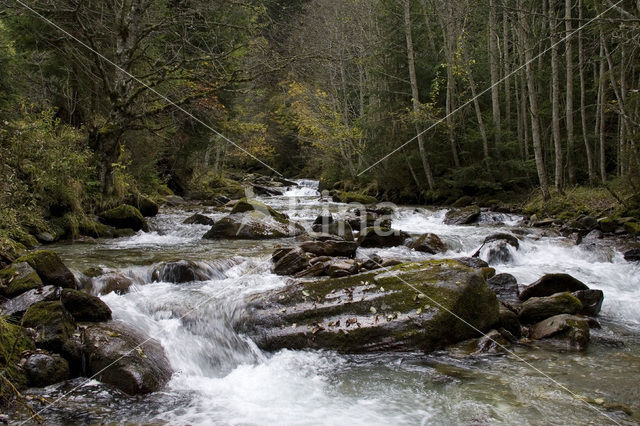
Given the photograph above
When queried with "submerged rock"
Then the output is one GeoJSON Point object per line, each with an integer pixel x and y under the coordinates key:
{"type": "Point", "coordinates": [571, 329]}
{"type": "Point", "coordinates": [375, 311]}
{"type": "Point", "coordinates": [462, 216]}
{"type": "Point", "coordinates": [381, 237]}
{"type": "Point", "coordinates": [136, 364]}
{"type": "Point", "coordinates": [498, 248]}
{"type": "Point", "coordinates": [50, 268]}
{"type": "Point", "coordinates": [18, 278]}
{"type": "Point", "coordinates": [428, 243]}
{"type": "Point", "coordinates": [180, 271]}
{"type": "Point", "coordinates": [632, 255]}
{"type": "Point", "coordinates": [539, 308]}
{"type": "Point", "coordinates": [125, 217]}
{"type": "Point", "coordinates": [550, 284]}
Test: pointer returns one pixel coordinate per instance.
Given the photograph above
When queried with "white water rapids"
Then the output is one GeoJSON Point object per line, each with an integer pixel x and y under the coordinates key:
{"type": "Point", "coordinates": [222, 378]}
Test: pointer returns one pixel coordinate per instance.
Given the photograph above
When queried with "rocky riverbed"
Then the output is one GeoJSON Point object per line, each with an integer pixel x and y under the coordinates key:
{"type": "Point", "coordinates": [296, 308]}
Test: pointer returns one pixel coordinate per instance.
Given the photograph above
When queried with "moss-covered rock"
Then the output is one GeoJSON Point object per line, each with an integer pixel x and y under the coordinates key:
{"type": "Point", "coordinates": [125, 216]}
{"type": "Point", "coordinates": [50, 268]}
{"type": "Point", "coordinates": [10, 250]}
{"type": "Point", "coordinates": [13, 341]}
{"type": "Point", "coordinates": [245, 205]}
{"type": "Point", "coordinates": [146, 205]}
{"type": "Point", "coordinates": [632, 228]}
{"type": "Point", "coordinates": [17, 306]}
{"type": "Point", "coordinates": [537, 309]}
{"type": "Point", "coordinates": [422, 305]}
{"type": "Point", "coordinates": [353, 197]}
{"type": "Point", "coordinates": [84, 307]}
{"type": "Point", "coordinates": [253, 225]}
{"type": "Point", "coordinates": [17, 279]}
{"type": "Point", "coordinates": [53, 324]}
{"type": "Point", "coordinates": [136, 364]}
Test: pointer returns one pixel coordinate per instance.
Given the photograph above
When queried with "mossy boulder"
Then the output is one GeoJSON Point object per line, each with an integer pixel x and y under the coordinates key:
{"type": "Point", "coordinates": [53, 324]}
{"type": "Point", "coordinates": [462, 216]}
{"type": "Point", "coordinates": [376, 236]}
{"type": "Point", "coordinates": [18, 278]}
{"type": "Point", "coordinates": [412, 306]}
{"type": "Point", "coordinates": [537, 309]}
{"type": "Point", "coordinates": [13, 341]}
{"type": "Point", "coordinates": [10, 250]}
{"type": "Point", "coordinates": [136, 363]}
{"type": "Point", "coordinates": [146, 205]}
{"type": "Point", "coordinates": [84, 307]}
{"type": "Point", "coordinates": [50, 268]}
{"type": "Point", "coordinates": [632, 228]}
{"type": "Point", "coordinates": [353, 197]}
{"type": "Point", "coordinates": [253, 225]}
{"type": "Point", "coordinates": [245, 205]}
{"type": "Point", "coordinates": [123, 217]}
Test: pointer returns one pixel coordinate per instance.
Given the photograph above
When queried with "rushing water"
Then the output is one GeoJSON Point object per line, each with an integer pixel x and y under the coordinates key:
{"type": "Point", "coordinates": [222, 378]}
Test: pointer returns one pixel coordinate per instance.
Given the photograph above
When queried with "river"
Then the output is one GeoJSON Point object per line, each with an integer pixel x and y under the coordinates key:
{"type": "Point", "coordinates": [223, 378]}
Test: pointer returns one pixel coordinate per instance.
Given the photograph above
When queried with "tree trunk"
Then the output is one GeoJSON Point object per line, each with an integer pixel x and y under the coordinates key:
{"type": "Point", "coordinates": [449, 46]}
{"type": "Point", "coordinates": [533, 104]}
{"type": "Point", "coordinates": [555, 96]}
{"type": "Point", "coordinates": [476, 105]}
{"type": "Point", "coordinates": [583, 111]}
{"type": "Point", "coordinates": [601, 105]}
{"type": "Point", "coordinates": [495, 73]}
{"type": "Point", "coordinates": [507, 68]}
{"type": "Point", "coordinates": [569, 98]}
{"type": "Point", "coordinates": [415, 93]}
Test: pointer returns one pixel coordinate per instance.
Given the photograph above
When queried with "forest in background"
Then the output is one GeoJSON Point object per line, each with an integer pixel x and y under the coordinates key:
{"type": "Point", "coordinates": [100, 101]}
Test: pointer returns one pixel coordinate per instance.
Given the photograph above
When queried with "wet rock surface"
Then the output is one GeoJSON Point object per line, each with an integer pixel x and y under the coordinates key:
{"type": "Point", "coordinates": [374, 311]}
{"type": "Point", "coordinates": [136, 364]}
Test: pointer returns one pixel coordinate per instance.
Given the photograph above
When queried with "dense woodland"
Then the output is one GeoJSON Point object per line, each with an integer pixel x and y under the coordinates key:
{"type": "Point", "coordinates": [104, 100]}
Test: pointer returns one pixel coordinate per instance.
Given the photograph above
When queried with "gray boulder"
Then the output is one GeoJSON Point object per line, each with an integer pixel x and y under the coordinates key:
{"type": "Point", "coordinates": [550, 284]}
{"type": "Point", "coordinates": [123, 357]}
{"type": "Point", "coordinates": [462, 216]}
{"type": "Point", "coordinates": [572, 330]}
